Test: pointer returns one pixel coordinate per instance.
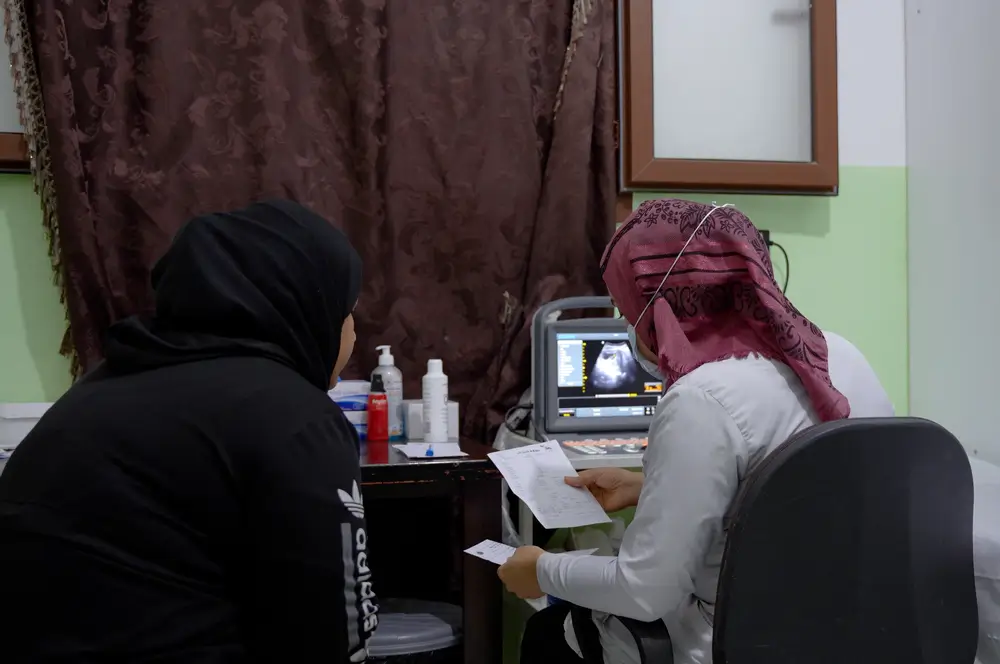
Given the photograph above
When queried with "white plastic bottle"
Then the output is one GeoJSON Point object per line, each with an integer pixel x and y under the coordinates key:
{"type": "Point", "coordinates": [435, 401]}
{"type": "Point", "coordinates": [392, 379]}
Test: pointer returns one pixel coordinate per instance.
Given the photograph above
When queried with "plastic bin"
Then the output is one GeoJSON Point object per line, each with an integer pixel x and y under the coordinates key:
{"type": "Point", "coordinates": [416, 632]}
{"type": "Point", "coordinates": [17, 421]}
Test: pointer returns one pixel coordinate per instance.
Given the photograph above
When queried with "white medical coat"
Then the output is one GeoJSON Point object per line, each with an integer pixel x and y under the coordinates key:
{"type": "Point", "coordinates": [710, 430]}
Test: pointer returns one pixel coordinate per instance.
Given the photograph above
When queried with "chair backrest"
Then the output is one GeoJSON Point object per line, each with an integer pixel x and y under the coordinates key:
{"type": "Point", "coordinates": [852, 542]}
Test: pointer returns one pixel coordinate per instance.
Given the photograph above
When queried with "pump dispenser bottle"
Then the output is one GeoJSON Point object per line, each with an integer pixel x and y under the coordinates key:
{"type": "Point", "coordinates": [435, 402]}
{"type": "Point", "coordinates": [392, 379]}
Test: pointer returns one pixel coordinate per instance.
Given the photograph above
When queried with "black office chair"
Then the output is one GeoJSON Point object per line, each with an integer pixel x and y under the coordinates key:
{"type": "Point", "coordinates": [850, 544]}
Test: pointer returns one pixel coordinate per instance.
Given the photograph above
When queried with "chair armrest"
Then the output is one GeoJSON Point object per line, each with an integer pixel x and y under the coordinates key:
{"type": "Point", "coordinates": [651, 638]}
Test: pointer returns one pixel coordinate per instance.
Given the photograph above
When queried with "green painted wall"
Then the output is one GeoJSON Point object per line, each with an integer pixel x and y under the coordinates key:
{"type": "Point", "coordinates": [848, 262]}
{"type": "Point", "coordinates": [848, 274]}
{"type": "Point", "coordinates": [32, 321]}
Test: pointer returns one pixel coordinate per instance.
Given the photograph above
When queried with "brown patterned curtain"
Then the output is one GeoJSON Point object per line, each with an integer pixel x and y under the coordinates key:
{"type": "Point", "coordinates": [466, 146]}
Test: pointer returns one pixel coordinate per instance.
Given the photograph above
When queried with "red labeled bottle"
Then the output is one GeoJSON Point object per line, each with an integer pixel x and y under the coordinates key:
{"type": "Point", "coordinates": [378, 411]}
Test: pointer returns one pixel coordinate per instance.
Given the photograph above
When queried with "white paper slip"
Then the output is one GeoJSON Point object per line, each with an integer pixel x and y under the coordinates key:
{"type": "Point", "coordinates": [491, 551]}
{"type": "Point", "coordinates": [498, 553]}
{"type": "Point", "coordinates": [437, 450]}
{"type": "Point", "coordinates": [536, 474]}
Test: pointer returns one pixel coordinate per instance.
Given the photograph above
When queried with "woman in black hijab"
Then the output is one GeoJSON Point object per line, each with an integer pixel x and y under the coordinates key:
{"type": "Point", "coordinates": [195, 499]}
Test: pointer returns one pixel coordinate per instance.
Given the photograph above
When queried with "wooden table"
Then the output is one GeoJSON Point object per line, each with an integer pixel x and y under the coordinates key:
{"type": "Point", "coordinates": [421, 516]}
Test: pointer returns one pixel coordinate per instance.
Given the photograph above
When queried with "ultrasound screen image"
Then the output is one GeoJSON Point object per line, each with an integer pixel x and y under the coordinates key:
{"type": "Point", "coordinates": [614, 368]}
{"type": "Point", "coordinates": [599, 377]}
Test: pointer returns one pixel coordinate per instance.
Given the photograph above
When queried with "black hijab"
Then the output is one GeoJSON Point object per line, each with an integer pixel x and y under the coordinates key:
{"type": "Point", "coordinates": [272, 280]}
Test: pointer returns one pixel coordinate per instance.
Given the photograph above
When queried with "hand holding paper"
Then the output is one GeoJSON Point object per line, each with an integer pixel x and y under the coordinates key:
{"type": "Point", "coordinates": [537, 475]}
{"type": "Point", "coordinates": [497, 553]}
{"type": "Point", "coordinates": [491, 552]}
{"type": "Point", "coordinates": [518, 567]}
{"type": "Point", "coordinates": [520, 573]}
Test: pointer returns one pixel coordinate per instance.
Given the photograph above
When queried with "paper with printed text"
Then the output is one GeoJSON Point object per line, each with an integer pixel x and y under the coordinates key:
{"type": "Point", "coordinates": [536, 474]}
{"type": "Point", "coordinates": [498, 553]}
{"type": "Point", "coordinates": [491, 551]}
{"type": "Point", "coordinates": [437, 450]}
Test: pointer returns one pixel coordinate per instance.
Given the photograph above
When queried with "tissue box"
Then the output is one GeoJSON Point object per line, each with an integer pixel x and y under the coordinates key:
{"type": "Point", "coordinates": [413, 419]}
{"type": "Point", "coordinates": [359, 418]}
{"type": "Point", "coordinates": [351, 395]}
{"type": "Point", "coordinates": [17, 420]}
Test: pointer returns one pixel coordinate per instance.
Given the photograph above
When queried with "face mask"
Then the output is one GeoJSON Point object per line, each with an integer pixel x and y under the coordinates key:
{"type": "Point", "coordinates": [649, 367]}
{"type": "Point", "coordinates": [644, 363]}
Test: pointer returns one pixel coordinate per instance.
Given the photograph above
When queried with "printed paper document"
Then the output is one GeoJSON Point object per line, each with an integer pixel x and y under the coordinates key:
{"type": "Point", "coordinates": [436, 450]}
{"type": "Point", "coordinates": [491, 551]}
{"type": "Point", "coordinates": [536, 474]}
{"type": "Point", "coordinates": [498, 553]}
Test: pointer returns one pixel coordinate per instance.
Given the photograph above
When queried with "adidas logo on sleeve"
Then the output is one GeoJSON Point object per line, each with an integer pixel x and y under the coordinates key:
{"type": "Point", "coordinates": [353, 501]}
{"type": "Point", "coordinates": [361, 603]}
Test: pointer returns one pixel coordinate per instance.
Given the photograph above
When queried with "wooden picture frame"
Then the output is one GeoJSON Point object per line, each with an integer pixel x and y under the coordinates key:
{"type": "Point", "coordinates": [641, 170]}
{"type": "Point", "coordinates": [13, 153]}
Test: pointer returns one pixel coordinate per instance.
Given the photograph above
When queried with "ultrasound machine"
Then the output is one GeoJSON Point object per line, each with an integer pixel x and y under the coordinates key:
{"type": "Point", "coordinates": [588, 392]}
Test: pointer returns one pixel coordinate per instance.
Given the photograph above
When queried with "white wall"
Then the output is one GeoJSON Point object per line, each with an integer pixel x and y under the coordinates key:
{"type": "Point", "coordinates": [953, 148]}
{"type": "Point", "coordinates": [871, 83]}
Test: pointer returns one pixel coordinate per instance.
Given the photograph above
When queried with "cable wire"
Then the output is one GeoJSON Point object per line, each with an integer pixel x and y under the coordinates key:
{"type": "Point", "coordinates": [788, 268]}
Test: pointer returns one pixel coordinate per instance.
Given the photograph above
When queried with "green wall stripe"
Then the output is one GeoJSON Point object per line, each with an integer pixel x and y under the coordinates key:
{"type": "Point", "coordinates": [848, 274]}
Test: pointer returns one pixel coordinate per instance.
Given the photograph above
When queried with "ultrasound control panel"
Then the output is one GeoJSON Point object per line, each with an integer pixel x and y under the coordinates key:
{"type": "Point", "coordinates": [605, 446]}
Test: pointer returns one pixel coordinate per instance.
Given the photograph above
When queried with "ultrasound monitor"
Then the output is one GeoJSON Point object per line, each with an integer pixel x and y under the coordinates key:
{"type": "Point", "coordinates": [592, 381]}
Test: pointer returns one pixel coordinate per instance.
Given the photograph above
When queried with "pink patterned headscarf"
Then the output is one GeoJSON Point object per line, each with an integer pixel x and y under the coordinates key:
{"type": "Point", "coordinates": [720, 300]}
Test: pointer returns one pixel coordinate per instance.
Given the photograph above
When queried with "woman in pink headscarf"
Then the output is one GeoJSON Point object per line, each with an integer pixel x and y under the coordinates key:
{"type": "Point", "coordinates": [744, 371]}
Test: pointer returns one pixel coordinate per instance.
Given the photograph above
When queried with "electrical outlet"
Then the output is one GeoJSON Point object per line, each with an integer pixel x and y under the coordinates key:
{"type": "Point", "coordinates": [767, 237]}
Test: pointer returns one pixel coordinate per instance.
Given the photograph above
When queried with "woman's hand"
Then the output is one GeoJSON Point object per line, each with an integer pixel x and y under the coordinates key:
{"type": "Point", "coordinates": [520, 572]}
{"type": "Point", "coordinates": [614, 488]}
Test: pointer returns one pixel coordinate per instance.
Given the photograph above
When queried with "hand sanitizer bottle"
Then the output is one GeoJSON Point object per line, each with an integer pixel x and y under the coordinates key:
{"type": "Point", "coordinates": [392, 379]}
{"type": "Point", "coordinates": [435, 402]}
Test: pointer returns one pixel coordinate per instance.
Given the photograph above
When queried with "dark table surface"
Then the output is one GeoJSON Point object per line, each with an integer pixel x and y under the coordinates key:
{"type": "Point", "coordinates": [381, 462]}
